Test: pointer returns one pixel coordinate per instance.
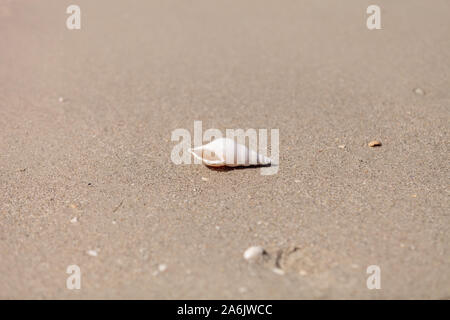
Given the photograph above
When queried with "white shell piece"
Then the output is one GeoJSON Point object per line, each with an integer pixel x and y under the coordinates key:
{"type": "Point", "coordinates": [226, 152]}
{"type": "Point", "coordinates": [253, 253]}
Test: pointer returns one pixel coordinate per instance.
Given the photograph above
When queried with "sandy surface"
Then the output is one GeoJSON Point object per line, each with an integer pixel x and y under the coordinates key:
{"type": "Point", "coordinates": [137, 71]}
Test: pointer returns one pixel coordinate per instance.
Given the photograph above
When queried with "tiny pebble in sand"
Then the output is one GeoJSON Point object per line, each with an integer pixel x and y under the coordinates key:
{"type": "Point", "coordinates": [74, 220]}
{"type": "Point", "coordinates": [374, 143]}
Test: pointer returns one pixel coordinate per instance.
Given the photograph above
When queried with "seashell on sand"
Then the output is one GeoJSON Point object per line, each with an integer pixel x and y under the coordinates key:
{"type": "Point", "coordinates": [226, 152]}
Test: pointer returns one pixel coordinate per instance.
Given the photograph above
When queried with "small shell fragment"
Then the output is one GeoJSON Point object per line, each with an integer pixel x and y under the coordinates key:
{"type": "Point", "coordinates": [92, 253]}
{"type": "Point", "coordinates": [374, 143]}
{"type": "Point", "coordinates": [278, 271]}
{"type": "Point", "coordinates": [254, 253]}
{"type": "Point", "coordinates": [419, 91]}
{"type": "Point", "coordinates": [226, 152]}
{"type": "Point", "coordinates": [162, 267]}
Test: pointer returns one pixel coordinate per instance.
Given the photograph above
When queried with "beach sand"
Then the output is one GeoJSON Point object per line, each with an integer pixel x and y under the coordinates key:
{"type": "Point", "coordinates": [86, 177]}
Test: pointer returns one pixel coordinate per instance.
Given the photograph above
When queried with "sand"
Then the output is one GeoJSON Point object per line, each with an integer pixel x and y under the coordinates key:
{"type": "Point", "coordinates": [86, 178]}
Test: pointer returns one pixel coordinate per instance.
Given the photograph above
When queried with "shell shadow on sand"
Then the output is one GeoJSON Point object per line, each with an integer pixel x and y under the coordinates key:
{"type": "Point", "coordinates": [226, 169]}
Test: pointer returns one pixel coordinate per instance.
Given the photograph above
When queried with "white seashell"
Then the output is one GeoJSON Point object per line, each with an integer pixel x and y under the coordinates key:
{"type": "Point", "coordinates": [226, 152]}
